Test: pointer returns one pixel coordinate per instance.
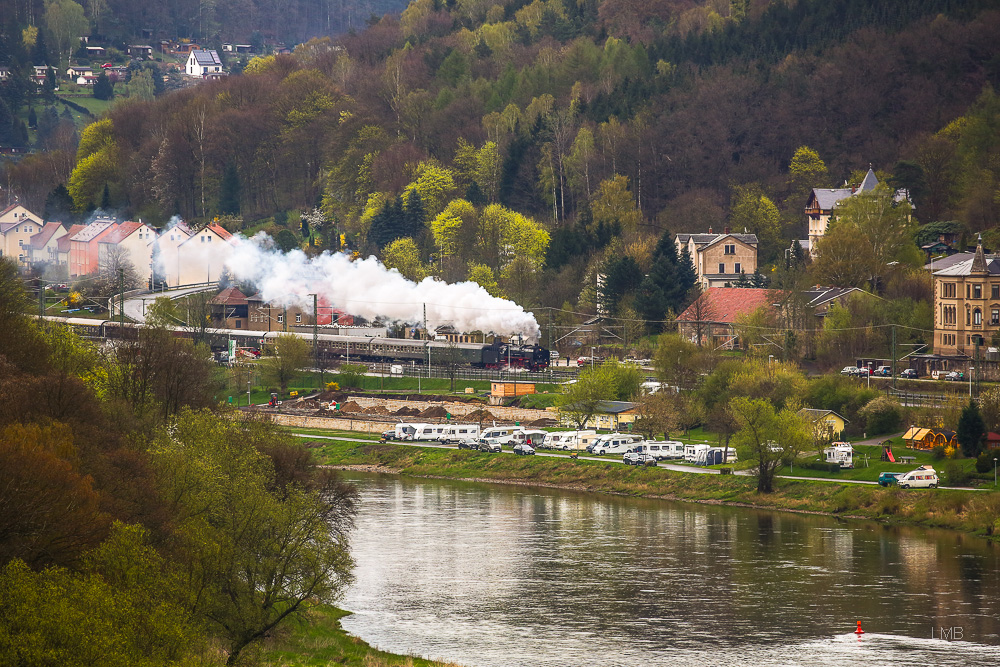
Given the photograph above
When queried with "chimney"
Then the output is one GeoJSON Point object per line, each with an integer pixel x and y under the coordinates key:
{"type": "Point", "coordinates": [709, 230]}
{"type": "Point", "coordinates": [725, 230]}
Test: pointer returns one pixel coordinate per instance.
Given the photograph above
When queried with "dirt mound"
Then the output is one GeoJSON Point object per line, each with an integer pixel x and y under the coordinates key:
{"type": "Point", "coordinates": [434, 412]}
{"type": "Point", "coordinates": [407, 412]}
{"type": "Point", "coordinates": [376, 410]}
{"type": "Point", "coordinates": [350, 406]}
{"type": "Point", "coordinates": [479, 415]}
{"type": "Point", "coordinates": [328, 396]}
{"type": "Point", "coordinates": [543, 423]}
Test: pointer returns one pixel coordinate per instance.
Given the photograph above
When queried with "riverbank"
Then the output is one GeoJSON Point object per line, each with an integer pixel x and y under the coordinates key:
{"type": "Point", "coordinates": [977, 513]}
{"type": "Point", "coordinates": [319, 640]}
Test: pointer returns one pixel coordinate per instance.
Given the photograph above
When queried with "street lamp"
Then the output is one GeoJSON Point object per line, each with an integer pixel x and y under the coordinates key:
{"type": "Point", "coordinates": [994, 472]}
{"type": "Point", "coordinates": [592, 357]}
{"type": "Point", "coordinates": [971, 370]}
{"type": "Point", "coordinates": [249, 378]}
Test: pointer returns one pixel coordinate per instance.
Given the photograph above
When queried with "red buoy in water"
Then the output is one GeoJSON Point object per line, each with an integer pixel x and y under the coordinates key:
{"type": "Point", "coordinates": [859, 631]}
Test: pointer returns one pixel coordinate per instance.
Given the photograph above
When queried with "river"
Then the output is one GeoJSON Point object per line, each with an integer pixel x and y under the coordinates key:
{"type": "Point", "coordinates": [495, 576]}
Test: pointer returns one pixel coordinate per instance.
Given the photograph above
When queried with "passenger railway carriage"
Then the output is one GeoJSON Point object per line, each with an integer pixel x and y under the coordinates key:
{"type": "Point", "coordinates": [336, 346]}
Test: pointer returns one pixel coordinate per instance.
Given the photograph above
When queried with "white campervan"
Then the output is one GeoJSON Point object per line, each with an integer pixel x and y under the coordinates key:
{"type": "Point", "coordinates": [840, 452]}
{"type": "Point", "coordinates": [460, 433]}
{"type": "Point", "coordinates": [567, 440]}
{"type": "Point", "coordinates": [615, 443]}
{"type": "Point", "coordinates": [501, 434]}
{"type": "Point", "coordinates": [429, 432]}
{"type": "Point", "coordinates": [662, 449]}
{"type": "Point", "coordinates": [923, 477]}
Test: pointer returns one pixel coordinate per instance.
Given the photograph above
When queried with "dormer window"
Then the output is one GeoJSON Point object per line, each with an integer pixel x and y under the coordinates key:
{"type": "Point", "coordinates": [731, 249]}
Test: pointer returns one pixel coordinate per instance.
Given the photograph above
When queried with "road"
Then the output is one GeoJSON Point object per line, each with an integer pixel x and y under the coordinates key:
{"type": "Point", "coordinates": [667, 466]}
{"type": "Point", "coordinates": [135, 307]}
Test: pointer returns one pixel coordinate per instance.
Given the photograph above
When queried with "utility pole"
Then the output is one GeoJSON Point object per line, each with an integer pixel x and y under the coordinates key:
{"type": "Point", "coordinates": [121, 299]}
{"type": "Point", "coordinates": [894, 357]}
{"type": "Point", "coordinates": [41, 298]}
{"type": "Point", "coordinates": [316, 333]}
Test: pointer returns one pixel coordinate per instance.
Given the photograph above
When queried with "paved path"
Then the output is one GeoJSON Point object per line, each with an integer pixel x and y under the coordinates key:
{"type": "Point", "coordinates": [135, 307]}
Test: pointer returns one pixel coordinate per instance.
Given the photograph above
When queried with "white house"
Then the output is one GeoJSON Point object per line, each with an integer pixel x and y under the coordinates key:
{"type": "Point", "coordinates": [17, 226]}
{"type": "Point", "coordinates": [45, 244]}
{"type": "Point", "coordinates": [202, 63]}
{"type": "Point", "coordinates": [201, 258]}
{"type": "Point", "coordinates": [165, 254]}
{"type": "Point", "coordinates": [75, 71]}
{"type": "Point", "coordinates": [132, 241]}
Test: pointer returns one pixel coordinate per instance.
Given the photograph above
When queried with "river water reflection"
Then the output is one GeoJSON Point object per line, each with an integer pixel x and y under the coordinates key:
{"type": "Point", "coordinates": [489, 575]}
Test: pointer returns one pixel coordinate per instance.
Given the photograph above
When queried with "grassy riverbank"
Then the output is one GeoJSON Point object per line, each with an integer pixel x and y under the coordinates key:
{"type": "Point", "coordinates": [319, 641]}
{"type": "Point", "coordinates": [975, 512]}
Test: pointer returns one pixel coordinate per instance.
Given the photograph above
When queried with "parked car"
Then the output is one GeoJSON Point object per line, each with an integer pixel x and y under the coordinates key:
{"type": "Point", "coordinates": [909, 373]}
{"type": "Point", "coordinates": [862, 371]}
{"type": "Point", "coordinates": [955, 376]}
{"type": "Point", "coordinates": [490, 445]}
{"type": "Point", "coordinates": [884, 371]}
{"type": "Point", "coordinates": [638, 459]}
{"type": "Point", "coordinates": [923, 477]}
{"type": "Point", "coordinates": [849, 370]}
{"type": "Point", "coordinates": [889, 478]}
{"type": "Point", "coordinates": [387, 436]}
{"type": "Point", "coordinates": [468, 443]}
{"type": "Point", "coordinates": [524, 449]}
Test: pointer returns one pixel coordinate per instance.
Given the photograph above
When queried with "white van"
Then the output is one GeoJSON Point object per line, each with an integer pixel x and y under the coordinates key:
{"type": "Point", "coordinates": [567, 440]}
{"type": "Point", "coordinates": [405, 431]}
{"type": "Point", "coordinates": [501, 434]}
{"type": "Point", "coordinates": [662, 449]}
{"type": "Point", "coordinates": [429, 432]}
{"type": "Point", "coordinates": [691, 452]}
{"type": "Point", "coordinates": [923, 477]}
{"type": "Point", "coordinates": [460, 433]}
{"type": "Point", "coordinates": [615, 443]}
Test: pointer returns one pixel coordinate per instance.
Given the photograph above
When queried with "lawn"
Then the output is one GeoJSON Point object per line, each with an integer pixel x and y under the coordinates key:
{"type": "Point", "coordinates": [870, 468]}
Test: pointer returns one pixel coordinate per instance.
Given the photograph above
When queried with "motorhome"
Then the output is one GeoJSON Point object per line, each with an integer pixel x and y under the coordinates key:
{"type": "Point", "coordinates": [691, 452]}
{"type": "Point", "coordinates": [460, 433]}
{"type": "Point", "coordinates": [502, 434]}
{"type": "Point", "coordinates": [923, 477]}
{"type": "Point", "coordinates": [840, 452]}
{"type": "Point", "coordinates": [567, 440]}
{"type": "Point", "coordinates": [615, 443]}
{"type": "Point", "coordinates": [429, 432]}
{"type": "Point", "coordinates": [662, 449]}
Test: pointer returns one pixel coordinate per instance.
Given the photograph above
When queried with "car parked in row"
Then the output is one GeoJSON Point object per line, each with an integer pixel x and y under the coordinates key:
{"type": "Point", "coordinates": [955, 376]}
{"type": "Point", "coordinates": [889, 478]}
{"type": "Point", "coordinates": [883, 371]}
{"type": "Point", "coordinates": [524, 449]}
{"type": "Point", "coordinates": [638, 459]}
{"type": "Point", "coordinates": [849, 370]}
{"type": "Point", "coordinates": [910, 374]}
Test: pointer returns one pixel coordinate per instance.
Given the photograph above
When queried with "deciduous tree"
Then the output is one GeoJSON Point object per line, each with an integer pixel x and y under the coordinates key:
{"type": "Point", "coordinates": [767, 437]}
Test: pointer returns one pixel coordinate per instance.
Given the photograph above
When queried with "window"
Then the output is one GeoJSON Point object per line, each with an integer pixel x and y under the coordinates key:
{"type": "Point", "coordinates": [968, 294]}
{"type": "Point", "coordinates": [995, 316]}
{"type": "Point", "coordinates": [977, 317]}
{"type": "Point", "coordinates": [281, 319]}
{"type": "Point", "coordinates": [736, 268]}
{"type": "Point", "coordinates": [722, 267]}
{"type": "Point", "coordinates": [977, 291]}
{"type": "Point", "coordinates": [996, 291]}
{"type": "Point", "coordinates": [239, 324]}
{"type": "Point", "coordinates": [298, 318]}
{"type": "Point", "coordinates": [209, 239]}
{"type": "Point", "coordinates": [949, 290]}
{"type": "Point", "coordinates": [731, 249]}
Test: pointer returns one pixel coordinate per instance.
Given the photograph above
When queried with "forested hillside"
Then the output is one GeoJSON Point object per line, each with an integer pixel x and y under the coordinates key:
{"type": "Point", "coordinates": [524, 144]}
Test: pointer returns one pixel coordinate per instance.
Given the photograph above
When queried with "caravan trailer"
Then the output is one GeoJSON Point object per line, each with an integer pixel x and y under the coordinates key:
{"type": "Point", "coordinates": [662, 449]}
{"type": "Point", "coordinates": [429, 432]}
{"type": "Point", "coordinates": [405, 431]}
{"type": "Point", "coordinates": [691, 452]}
{"type": "Point", "coordinates": [501, 434]}
{"type": "Point", "coordinates": [567, 440]}
{"type": "Point", "coordinates": [614, 443]}
{"type": "Point", "coordinates": [460, 433]}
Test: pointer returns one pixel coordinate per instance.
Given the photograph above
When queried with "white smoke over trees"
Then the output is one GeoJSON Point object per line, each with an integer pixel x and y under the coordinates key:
{"type": "Point", "coordinates": [366, 288]}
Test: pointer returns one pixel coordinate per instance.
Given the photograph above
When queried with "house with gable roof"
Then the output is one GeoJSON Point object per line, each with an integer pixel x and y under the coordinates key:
{"type": "Point", "coordinates": [165, 254]}
{"type": "Point", "coordinates": [83, 250]}
{"type": "Point", "coordinates": [132, 241]}
{"type": "Point", "coordinates": [17, 226]}
{"type": "Point", "coordinates": [201, 257]}
{"type": "Point", "coordinates": [204, 64]}
{"type": "Point", "coordinates": [719, 259]}
{"type": "Point", "coordinates": [45, 244]}
{"type": "Point", "coordinates": [711, 320]}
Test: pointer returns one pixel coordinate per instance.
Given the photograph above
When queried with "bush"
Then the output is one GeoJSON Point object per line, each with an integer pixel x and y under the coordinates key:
{"type": "Point", "coordinates": [882, 415]}
{"type": "Point", "coordinates": [938, 452]}
{"type": "Point", "coordinates": [889, 504]}
{"type": "Point", "coordinates": [955, 474]}
{"type": "Point", "coordinates": [352, 375]}
{"type": "Point", "coordinates": [332, 386]}
{"type": "Point", "coordinates": [984, 462]}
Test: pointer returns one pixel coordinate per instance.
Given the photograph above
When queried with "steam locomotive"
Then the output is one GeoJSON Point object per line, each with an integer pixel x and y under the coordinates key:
{"type": "Point", "coordinates": [341, 347]}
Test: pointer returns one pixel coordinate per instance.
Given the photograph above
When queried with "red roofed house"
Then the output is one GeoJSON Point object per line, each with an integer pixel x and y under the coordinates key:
{"type": "Point", "coordinates": [202, 257]}
{"type": "Point", "coordinates": [229, 309]}
{"type": "Point", "coordinates": [83, 248]}
{"type": "Point", "coordinates": [710, 319]}
{"type": "Point", "coordinates": [131, 241]}
{"type": "Point", "coordinates": [63, 244]}
{"type": "Point", "coordinates": [45, 244]}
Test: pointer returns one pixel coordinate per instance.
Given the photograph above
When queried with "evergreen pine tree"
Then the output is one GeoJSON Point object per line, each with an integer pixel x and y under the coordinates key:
{"type": "Point", "coordinates": [474, 194]}
{"type": "Point", "coordinates": [415, 215]}
{"type": "Point", "coordinates": [103, 90]}
{"type": "Point", "coordinates": [40, 52]}
{"type": "Point", "coordinates": [229, 191]}
{"type": "Point", "coordinates": [58, 204]}
{"type": "Point", "coordinates": [971, 430]}
{"type": "Point", "coordinates": [106, 199]}
{"type": "Point", "coordinates": [49, 90]}
{"type": "Point", "coordinates": [32, 117]}
{"type": "Point", "coordinates": [668, 283]}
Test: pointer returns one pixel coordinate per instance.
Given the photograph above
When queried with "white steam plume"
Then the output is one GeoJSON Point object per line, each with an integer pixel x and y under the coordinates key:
{"type": "Point", "coordinates": [368, 289]}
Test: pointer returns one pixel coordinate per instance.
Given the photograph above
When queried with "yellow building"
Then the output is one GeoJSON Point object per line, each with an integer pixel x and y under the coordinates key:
{"type": "Point", "coordinates": [967, 304]}
{"type": "Point", "coordinates": [608, 416]}
{"type": "Point", "coordinates": [824, 422]}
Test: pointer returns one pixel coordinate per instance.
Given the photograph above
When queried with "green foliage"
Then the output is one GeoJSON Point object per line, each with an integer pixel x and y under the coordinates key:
{"type": "Point", "coordinates": [666, 287]}
{"type": "Point", "coordinates": [621, 277]}
{"type": "Point", "coordinates": [286, 241]}
{"type": "Point", "coordinates": [287, 355]}
{"type": "Point", "coordinates": [352, 375]}
{"type": "Point", "coordinates": [103, 89]}
{"type": "Point", "coordinates": [611, 381]}
{"type": "Point", "coordinates": [230, 191]}
{"type": "Point", "coordinates": [679, 362]}
{"type": "Point", "coordinates": [767, 437]}
{"type": "Point", "coordinates": [840, 394]}
{"type": "Point", "coordinates": [882, 415]}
